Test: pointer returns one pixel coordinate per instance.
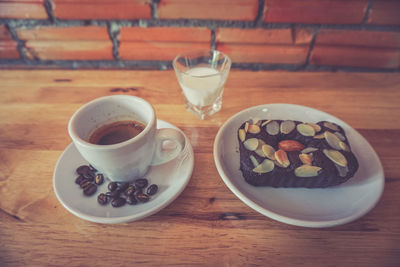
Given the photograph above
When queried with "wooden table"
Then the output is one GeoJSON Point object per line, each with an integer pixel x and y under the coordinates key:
{"type": "Point", "coordinates": [207, 224]}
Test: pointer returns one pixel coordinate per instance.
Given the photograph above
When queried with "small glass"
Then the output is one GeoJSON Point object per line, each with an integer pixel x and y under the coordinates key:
{"type": "Point", "coordinates": [202, 75]}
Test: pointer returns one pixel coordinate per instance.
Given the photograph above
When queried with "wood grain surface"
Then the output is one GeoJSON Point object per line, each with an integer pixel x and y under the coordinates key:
{"type": "Point", "coordinates": [207, 224]}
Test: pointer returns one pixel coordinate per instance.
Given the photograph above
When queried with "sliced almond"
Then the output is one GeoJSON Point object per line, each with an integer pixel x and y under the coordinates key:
{"type": "Point", "coordinates": [259, 150]}
{"type": "Point", "coordinates": [316, 127]}
{"type": "Point", "coordinates": [287, 127]}
{"type": "Point", "coordinates": [254, 129]}
{"type": "Point", "coordinates": [246, 126]}
{"type": "Point", "coordinates": [242, 135]}
{"type": "Point", "coordinates": [332, 140]}
{"type": "Point", "coordinates": [265, 122]}
{"type": "Point", "coordinates": [306, 171]}
{"type": "Point", "coordinates": [344, 146]}
{"type": "Point", "coordinates": [256, 121]}
{"type": "Point", "coordinates": [309, 149]}
{"type": "Point", "coordinates": [340, 136]}
{"type": "Point", "coordinates": [269, 151]}
{"type": "Point", "coordinates": [319, 136]}
{"type": "Point", "coordinates": [331, 126]}
{"type": "Point", "coordinates": [266, 166]}
{"type": "Point", "coordinates": [306, 159]}
{"type": "Point", "coordinates": [251, 144]}
{"type": "Point", "coordinates": [305, 129]}
{"type": "Point", "coordinates": [336, 157]}
{"type": "Point", "coordinates": [272, 128]}
{"type": "Point", "coordinates": [254, 161]}
{"type": "Point", "coordinates": [342, 170]}
{"type": "Point", "coordinates": [282, 158]}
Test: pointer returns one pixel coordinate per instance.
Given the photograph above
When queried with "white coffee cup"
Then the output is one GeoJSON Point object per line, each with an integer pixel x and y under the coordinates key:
{"type": "Point", "coordinates": [130, 159]}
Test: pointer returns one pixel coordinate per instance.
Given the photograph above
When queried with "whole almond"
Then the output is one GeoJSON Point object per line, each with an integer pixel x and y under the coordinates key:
{"type": "Point", "coordinates": [290, 145]}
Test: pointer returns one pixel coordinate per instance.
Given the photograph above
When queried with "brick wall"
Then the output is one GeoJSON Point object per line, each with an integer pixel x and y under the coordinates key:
{"type": "Point", "coordinates": [256, 34]}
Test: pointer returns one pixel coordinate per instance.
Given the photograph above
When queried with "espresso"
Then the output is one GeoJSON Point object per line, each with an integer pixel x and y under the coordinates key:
{"type": "Point", "coordinates": [116, 132]}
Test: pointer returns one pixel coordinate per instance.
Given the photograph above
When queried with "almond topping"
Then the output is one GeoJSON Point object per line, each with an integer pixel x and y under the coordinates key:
{"type": "Point", "coordinates": [287, 127]}
{"type": "Point", "coordinates": [332, 140]}
{"type": "Point", "coordinates": [272, 128]}
{"type": "Point", "coordinates": [290, 145]}
{"type": "Point", "coordinates": [254, 129]}
{"type": "Point", "coordinates": [269, 151]}
{"type": "Point", "coordinates": [282, 158]}
{"type": "Point", "coordinates": [306, 171]}
{"type": "Point", "coordinates": [305, 129]}
{"type": "Point", "coordinates": [266, 166]}
{"type": "Point", "coordinates": [251, 144]}
{"type": "Point", "coordinates": [242, 135]}
{"type": "Point", "coordinates": [336, 157]}
{"type": "Point", "coordinates": [306, 159]}
{"type": "Point", "coordinates": [331, 126]}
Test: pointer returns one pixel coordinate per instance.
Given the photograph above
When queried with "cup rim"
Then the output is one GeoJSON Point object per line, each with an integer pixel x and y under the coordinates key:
{"type": "Point", "coordinates": [189, 52]}
{"type": "Point", "coordinates": [76, 138]}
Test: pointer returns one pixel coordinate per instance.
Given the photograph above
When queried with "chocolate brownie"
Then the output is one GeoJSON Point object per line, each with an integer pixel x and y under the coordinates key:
{"type": "Point", "coordinates": [286, 153]}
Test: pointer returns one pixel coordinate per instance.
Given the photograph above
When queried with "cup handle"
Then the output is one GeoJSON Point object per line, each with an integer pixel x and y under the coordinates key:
{"type": "Point", "coordinates": [169, 143]}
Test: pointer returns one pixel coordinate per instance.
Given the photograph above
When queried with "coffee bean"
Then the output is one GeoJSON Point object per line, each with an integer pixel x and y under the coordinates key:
{"type": "Point", "coordinates": [130, 190]}
{"type": "Point", "coordinates": [93, 169]}
{"type": "Point", "coordinates": [99, 179]}
{"type": "Point", "coordinates": [102, 199]}
{"type": "Point", "coordinates": [118, 202]}
{"type": "Point", "coordinates": [85, 184]}
{"type": "Point", "coordinates": [141, 183]}
{"type": "Point", "coordinates": [152, 189]}
{"type": "Point", "coordinates": [113, 194]}
{"type": "Point", "coordinates": [82, 169]}
{"type": "Point", "coordinates": [131, 200]}
{"type": "Point", "coordinates": [79, 179]}
{"type": "Point", "coordinates": [123, 186]}
{"type": "Point", "coordinates": [89, 175]}
{"type": "Point", "coordinates": [112, 186]}
{"type": "Point", "coordinates": [90, 190]}
{"type": "Point", "coordinates": [142, 197]}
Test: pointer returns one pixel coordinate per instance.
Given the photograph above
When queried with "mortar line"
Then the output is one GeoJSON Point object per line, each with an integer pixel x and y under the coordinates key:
{"type": "Point", "coordinates": [154, 8]}
{"type": "Point", "coordinates": [20, 43]}
{"type": "Point", "coordinates": [311, 47]}
{"type": "Point", "coordinates": [367, 12]}
{"type": "Point", "coordinates": [260, 13]}
{"type": "Point", "coordinates": [48, 5]}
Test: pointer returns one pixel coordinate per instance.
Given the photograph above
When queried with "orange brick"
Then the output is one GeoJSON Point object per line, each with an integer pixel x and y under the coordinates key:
{"type": "Point", "coordinates": [358, 38]}
{"type": "Point", "coordinates": [385, 13]}
{"type": "Point", "coordinates": [102, 9]}
{"type": "Point", "coordinates": [356, 57]}
{"type": "Point", "coordinates": [69, 50]}
{"type": "Point", "coordinates": [263, 36]}
{"type": "Point", "coordinates": [24, 9]}
{"type": "Point", "coordinates": [67, 43]}
{"type": "Point", "coordinates": [272, 54]}
{"type": "Point", "coordinates": [315, 11]}
{"type": "Point", "coordinates": [208, 9]}
{"type": "Point", "coordinates": [156, 50]}
{"type": "Point", "coordinates": [161, 43]}
{"type": "Point", "coordinates": [8, 49]}
{"type": "Point", "coordinates": [64, 33]}
{"type": "Point", "coordinates": [166, 34]}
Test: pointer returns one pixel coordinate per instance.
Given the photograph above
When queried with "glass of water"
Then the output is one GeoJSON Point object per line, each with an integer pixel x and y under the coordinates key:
{"type": "Point", "coordinates": [202, 75]}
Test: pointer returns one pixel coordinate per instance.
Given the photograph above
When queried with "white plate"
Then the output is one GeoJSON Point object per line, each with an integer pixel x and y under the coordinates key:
{"type": "Point", "coordinates": [301, 206]}
{"type": "Point", "coordinates": [171, 178]}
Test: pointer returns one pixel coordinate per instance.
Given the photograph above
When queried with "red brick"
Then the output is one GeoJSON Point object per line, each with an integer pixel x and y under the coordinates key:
{"type": "Point", "coordinates": [69, 50]}
{"type": "Point", "coordinates": [208, 9]}
{"type": "Point", "coordinates": [358, 38]}
{"type": "Point", "coordinates": [264, 45]}
{"type": "Point", "coordinates": [102, 9]}
{"type": "Point", "coordinates": [385, 12]}
{"type": "Point", "coordinates": [356, 56]}
{"type": "Point", "coordinates": [166, 34]}
{"type": "Point", "coordinates": [272, 54]}
{"type": "Point", "coordinates": [4, 33]}
{"type": "Point", "coordinates": [156, 50]}
{"type": "Point", "coordinates": [89, 33]}
{"type": "Point", "coordinates": [8, 49]}
{"type": "Point", "coordinates": [315, 11]}
{"type": "Point", "coordinates": [24, 9]}
{"type": "Point", "coordinates": [161, 43]}
{"type": "Point", "coordinates": [69, 43]}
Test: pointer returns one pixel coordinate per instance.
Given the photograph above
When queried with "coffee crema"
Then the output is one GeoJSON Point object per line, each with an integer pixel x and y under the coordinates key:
{"type": "Point", "coordinates": [116, 132]}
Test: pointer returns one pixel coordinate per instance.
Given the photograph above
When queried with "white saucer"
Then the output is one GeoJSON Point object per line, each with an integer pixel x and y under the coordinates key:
{"type": "Point", "coordinates": [171, 178]}
{"type": "Point", "coordinates": [300, 206]}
